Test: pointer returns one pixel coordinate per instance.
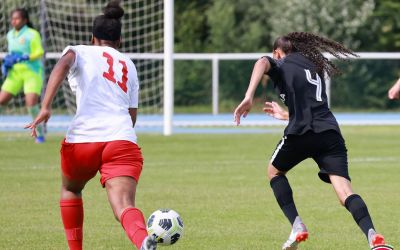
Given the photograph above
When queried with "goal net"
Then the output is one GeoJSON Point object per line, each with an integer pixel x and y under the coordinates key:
{"type": "Point", "coordinates": [69, 22]}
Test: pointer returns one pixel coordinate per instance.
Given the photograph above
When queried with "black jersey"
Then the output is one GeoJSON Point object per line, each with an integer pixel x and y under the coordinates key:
{"type": "Point", "coordinates": [303, 92]}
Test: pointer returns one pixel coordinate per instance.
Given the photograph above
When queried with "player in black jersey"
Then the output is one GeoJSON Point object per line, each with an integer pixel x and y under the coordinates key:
{"type": "Point", "coordinates": [297, 71]}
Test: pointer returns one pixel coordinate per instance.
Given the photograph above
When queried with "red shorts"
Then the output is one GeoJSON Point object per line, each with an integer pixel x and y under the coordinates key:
{"type": "Point", "coordinates": [81, 161]}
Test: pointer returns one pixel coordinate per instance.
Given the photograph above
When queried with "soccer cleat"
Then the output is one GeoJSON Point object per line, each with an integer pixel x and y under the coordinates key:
{"type": "Point", "coordinates": [298, 234]}
{"type": "Point", "coordinates": [383, 247]}
{"type": "Point", "coordinates": [40, 139]}
{"type": "Point", "coordinates": [377, 241]}
{"type": "Point", "coordinates": [149, 243]}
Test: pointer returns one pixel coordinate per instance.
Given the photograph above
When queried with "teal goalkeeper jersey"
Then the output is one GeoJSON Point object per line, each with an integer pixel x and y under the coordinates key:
{"type": "Point", "coordinates": [26, 41]}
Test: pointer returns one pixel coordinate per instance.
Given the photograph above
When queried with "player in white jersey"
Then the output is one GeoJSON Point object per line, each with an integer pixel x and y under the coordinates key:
{"type": "Point", "coordinates": [101, 136]}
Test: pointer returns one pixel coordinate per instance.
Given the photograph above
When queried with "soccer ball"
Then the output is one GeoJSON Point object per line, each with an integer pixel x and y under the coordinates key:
{"type": "Point", "coordinates": [166, 226]}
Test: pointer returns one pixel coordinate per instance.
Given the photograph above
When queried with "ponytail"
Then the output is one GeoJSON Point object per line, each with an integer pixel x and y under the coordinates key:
{"type": "Point", "coordinates": [312, 46]}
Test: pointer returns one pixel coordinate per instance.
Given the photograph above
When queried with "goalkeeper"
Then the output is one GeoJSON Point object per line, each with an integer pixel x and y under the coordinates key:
{"type": "Point", "coordinates": [22, 67]}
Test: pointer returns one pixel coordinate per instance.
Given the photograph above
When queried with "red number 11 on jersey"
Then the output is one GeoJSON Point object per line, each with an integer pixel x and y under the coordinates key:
{"type": "Point", "coordinates": [109, 75]}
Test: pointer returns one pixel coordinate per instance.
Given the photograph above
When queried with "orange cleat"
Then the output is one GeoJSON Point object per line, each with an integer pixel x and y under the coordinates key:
{"type": "Point", "coordinates": [298, 234]}
{"type": "Point", "coordinates": [377, 241]}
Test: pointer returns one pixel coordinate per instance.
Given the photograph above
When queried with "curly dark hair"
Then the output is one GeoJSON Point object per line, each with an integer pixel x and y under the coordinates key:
{"type": "Point", "coordinates": [312, 46]}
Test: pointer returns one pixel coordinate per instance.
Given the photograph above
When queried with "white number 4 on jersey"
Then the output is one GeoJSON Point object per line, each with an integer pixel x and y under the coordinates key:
{"type": "Point", "coordinates": [317, 82]}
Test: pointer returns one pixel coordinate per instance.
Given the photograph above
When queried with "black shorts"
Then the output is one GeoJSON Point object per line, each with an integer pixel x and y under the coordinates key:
{"type": "Point", "coordinates": [327, 149]}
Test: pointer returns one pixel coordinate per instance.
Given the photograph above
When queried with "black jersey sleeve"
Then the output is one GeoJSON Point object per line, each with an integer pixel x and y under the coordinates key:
{"type": "Point", "coordinates": [274, 70]}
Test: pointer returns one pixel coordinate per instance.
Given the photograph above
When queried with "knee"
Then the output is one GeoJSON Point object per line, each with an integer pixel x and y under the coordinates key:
{"type": "Point", "coordinates": [3, 102]}
{"type": "Point", "coordinates": [4, 98]}
{"type": "Point", "coordinates": [71, 189]}
{"type": "Point", "coordinates": [272, 172]}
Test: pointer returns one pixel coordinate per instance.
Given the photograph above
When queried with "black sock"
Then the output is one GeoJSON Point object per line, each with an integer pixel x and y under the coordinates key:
{"type": "Point", "coordinates": [355, 204]}
{"type": "Point", "coordinates": [284, 195]}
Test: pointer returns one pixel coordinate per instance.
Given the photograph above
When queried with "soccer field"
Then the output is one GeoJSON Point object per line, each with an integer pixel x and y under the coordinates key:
{"type": "Point", "coordinates": [218, 185]}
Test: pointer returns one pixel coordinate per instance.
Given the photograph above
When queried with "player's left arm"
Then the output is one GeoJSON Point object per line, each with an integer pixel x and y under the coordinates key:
{"type": "Point", "coordinates": [36, 47]}
{"type": "Point", "coordinates": [57, 76]}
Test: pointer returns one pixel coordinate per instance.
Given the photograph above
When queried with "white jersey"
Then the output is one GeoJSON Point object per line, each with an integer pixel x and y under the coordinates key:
{"type": "Point", "coordinates": [106, 85]}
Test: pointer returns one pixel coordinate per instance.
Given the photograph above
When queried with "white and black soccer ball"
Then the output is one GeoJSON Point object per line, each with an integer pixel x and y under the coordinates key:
{"type": "Point", "coordinates": [166, 226]}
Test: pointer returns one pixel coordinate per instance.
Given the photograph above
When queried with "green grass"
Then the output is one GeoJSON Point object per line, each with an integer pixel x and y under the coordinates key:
{"type": "Point", "coordinates": [218, 185]}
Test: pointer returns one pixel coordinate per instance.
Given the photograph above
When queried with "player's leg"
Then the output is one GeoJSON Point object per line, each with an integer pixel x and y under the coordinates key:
{"type": "Point", "coordinates": [333, 164]}
{"type": "Point", "coordinates": [122, 165]}
{"type": "Point", "coordinates": [121, 194]}
{"type": "Point", "coordinates": [353, 202]}
{"type": "Point", "coordinates": [283, 159]}
{"type": "Point", "coordinates": [79, 163]}
{"type": "Point", "coordinates": [357, 207]}
{"type": "Point", "coordinates": [283, 192]}
{"type": "Point", "coordinates": [71, 207]}
{"type": "Point", "coordinates": [5, 97]}
{"type": "Point", "coordinates": [32, 89]}
{"type": "Point", "coordinates": [12, 85]}
{"type": "Point", "coordinates": [284, 196]}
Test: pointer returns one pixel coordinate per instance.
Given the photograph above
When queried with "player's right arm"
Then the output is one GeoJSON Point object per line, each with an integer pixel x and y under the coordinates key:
{"type": "Point", "coordinates": [260, 68]}
{"type": "Point", "coordinates": [37, 50]}
{"type": "Point", "coordinates": [57, 76]}
{"type": "Point", "coordinates": [394, 91]}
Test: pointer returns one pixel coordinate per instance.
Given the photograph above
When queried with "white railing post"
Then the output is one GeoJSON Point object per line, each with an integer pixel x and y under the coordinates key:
{"type": "Point", "coordinates": [215, 83]}
{"type": "Point", "coordinates": [168, 66]}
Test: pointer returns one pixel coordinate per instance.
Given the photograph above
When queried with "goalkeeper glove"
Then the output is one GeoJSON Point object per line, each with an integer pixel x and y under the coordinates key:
{"type": "Point", "coordinates": [21, 58]}
{"type": "Point", "coordinates": [9, 60]}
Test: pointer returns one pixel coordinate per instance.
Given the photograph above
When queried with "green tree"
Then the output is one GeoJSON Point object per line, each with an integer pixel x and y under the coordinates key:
{"type": "Point", "coordinates": [364, 85]}
{"type": "Point", "coordinates": [216, 26]}
{"type": "Point", "coordinates": [238, 26]}
{"type": "Point", "coordinates": [191, 27]}
{"type": "Point", "coordinates": [381, 32]}
{"type": "Point", "coordinates": [192, 78]}
{"type": "Point", "coordinates": [338, 20]}
{"type": "Point", "coordinates": [252, 26]}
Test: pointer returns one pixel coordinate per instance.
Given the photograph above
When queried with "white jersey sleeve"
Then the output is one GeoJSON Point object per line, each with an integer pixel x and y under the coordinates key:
{"type": "Point", "coordinates": [134, 93]}
{"type": "Point", "coordinates": [106, 86]}
{"type": "Point", "coordinates": [72, 84]}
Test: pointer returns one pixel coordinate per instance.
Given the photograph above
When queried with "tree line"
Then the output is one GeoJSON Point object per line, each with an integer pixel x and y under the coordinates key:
{"type": "Point", "coordinates": [230, 26]}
